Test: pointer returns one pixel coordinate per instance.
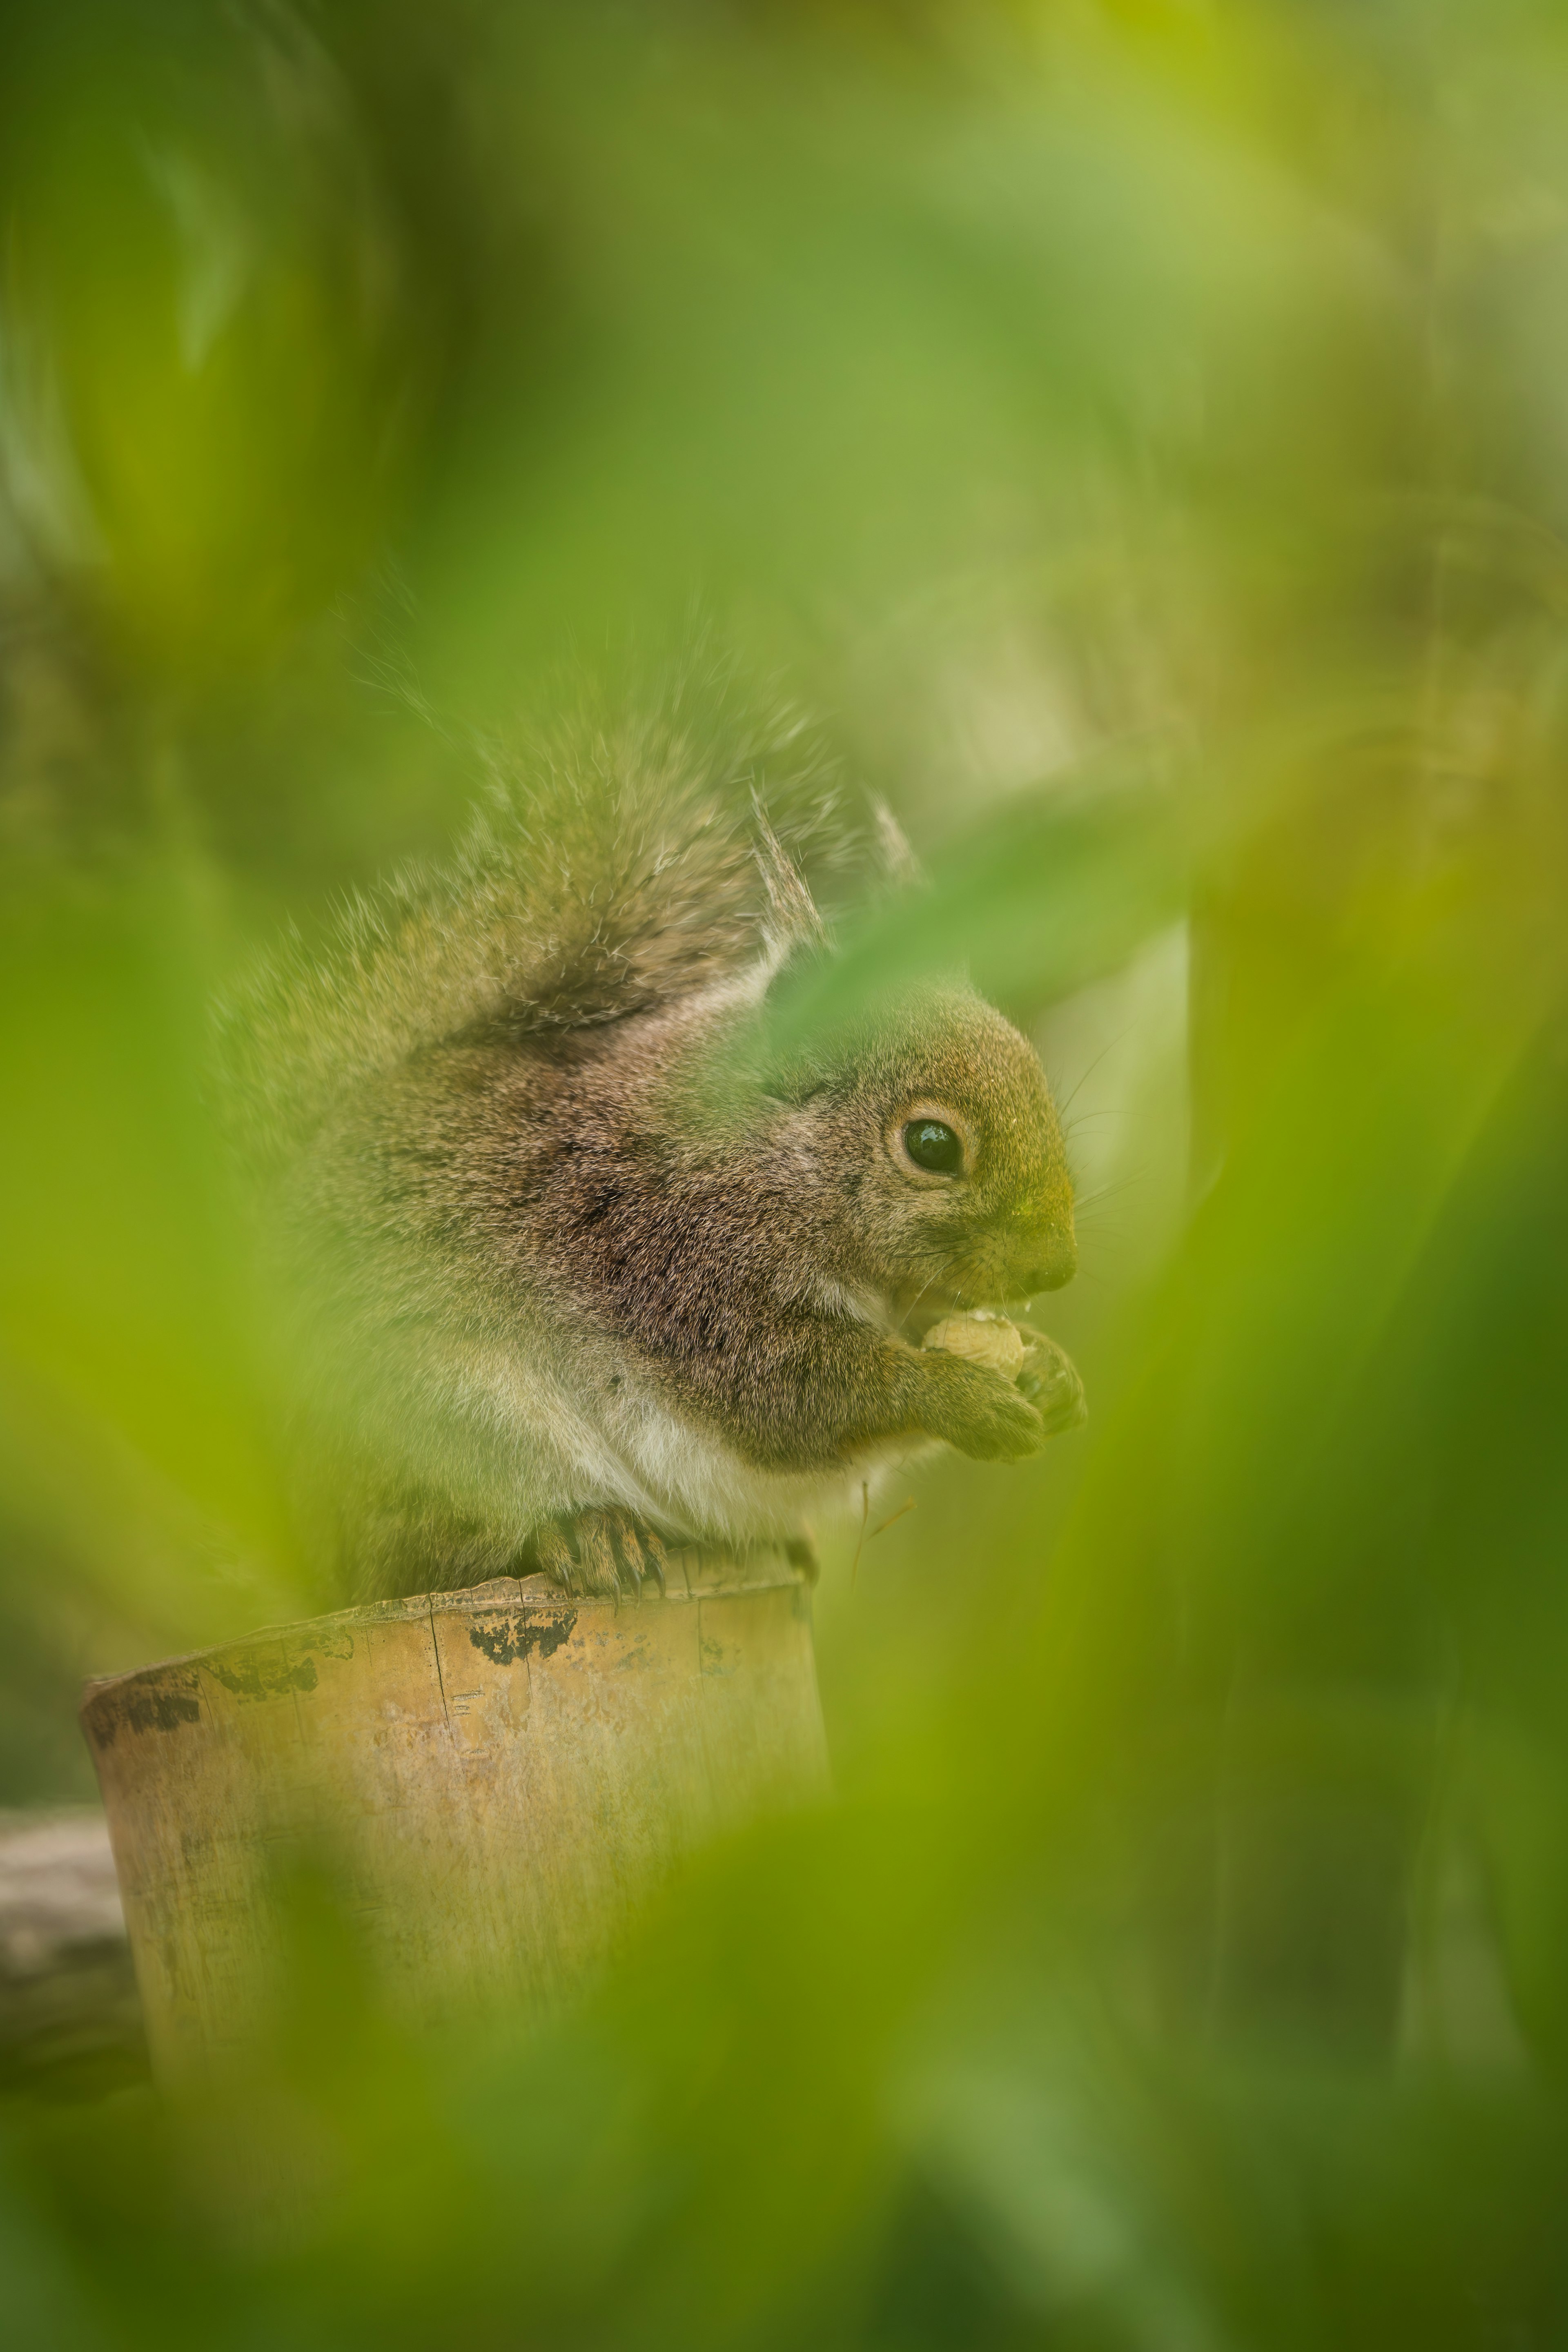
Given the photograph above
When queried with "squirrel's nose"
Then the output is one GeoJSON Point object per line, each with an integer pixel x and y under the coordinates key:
{"type": "Point", "coordinates": [1054, 1261]}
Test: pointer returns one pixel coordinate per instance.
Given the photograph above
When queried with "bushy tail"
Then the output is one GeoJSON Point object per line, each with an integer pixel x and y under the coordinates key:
{"type": "Point", "coordinates": [613, 864]}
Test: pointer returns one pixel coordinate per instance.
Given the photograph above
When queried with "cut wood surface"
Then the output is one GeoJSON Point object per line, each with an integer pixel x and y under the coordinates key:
{"type": "Point", "coordinates": [491, 1777]}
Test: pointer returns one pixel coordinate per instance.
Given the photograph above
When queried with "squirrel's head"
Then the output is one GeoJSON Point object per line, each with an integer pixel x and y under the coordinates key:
{"type": "Point", "coordinates": [931, 1139]}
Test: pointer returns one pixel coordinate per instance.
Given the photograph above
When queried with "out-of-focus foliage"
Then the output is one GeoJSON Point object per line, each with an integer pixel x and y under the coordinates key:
{"type": "Point", "coordinates": [1141, 427]}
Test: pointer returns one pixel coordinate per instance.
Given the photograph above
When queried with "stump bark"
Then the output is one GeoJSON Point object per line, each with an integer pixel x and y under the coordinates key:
{"type": "Point", "coordinates": [492, 1777]}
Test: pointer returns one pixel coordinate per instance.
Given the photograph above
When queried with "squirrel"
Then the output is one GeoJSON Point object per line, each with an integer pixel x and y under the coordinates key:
{"type": "Point", "coordinates": [587, 1260]}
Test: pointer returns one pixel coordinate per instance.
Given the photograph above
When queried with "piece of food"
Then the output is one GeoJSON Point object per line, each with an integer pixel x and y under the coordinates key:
{"type": "Point", "coordinates": [988, 1340]}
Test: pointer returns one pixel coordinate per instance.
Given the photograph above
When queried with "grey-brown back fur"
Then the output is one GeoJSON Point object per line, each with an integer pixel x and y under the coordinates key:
{"type": "Point", "coordinates": [566, 1233]}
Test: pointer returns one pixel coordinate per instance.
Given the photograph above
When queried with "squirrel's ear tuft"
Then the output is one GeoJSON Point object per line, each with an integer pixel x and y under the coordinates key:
{"type": "Point", "coordinates": [791, 922]}
{"type": "Point", "coordinates": [899, 868]}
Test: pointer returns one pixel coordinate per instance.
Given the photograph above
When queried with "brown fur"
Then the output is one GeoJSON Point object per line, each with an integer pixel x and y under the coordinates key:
{"type": "Point", "coordinates": [570, 1238]}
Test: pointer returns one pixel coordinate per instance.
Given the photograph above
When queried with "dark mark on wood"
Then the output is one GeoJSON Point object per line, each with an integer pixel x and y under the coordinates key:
{"type": "Point", "coordinates": [504, 1640]}
{"type": "Point", "coordinates": [252, 1674]}
{"type": "Point", "coordinates": [143, 1705]}
{"type": "Point", "coordinates": [332, 1642]}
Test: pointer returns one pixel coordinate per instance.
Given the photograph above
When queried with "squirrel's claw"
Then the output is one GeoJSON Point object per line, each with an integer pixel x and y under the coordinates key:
{"type": "Point", "coordinates": [1051, 1382]}
{"type": "Point", "coordinates": [641, 1552]}
{"type": "Point", "coordinates": [596, 1548]}
{"type": "Point", "coordinates": [597, 1553]}
{"type": "Point", "coordinates": [554, 1554]}
{"type": "Point", "coordinates": [655, 1555]}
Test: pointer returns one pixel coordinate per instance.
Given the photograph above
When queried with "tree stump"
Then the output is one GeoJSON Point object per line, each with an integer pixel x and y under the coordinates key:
{"type": "Point", "coordinates": [491, 1777]}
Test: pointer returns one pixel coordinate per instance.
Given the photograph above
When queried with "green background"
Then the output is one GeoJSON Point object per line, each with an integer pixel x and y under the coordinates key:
{"type": "Point", "coordinates": [1142, 432]}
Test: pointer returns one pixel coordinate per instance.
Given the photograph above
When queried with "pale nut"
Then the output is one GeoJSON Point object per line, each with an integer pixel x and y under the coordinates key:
{"type": "Point", "coordinates": [988, 1340]}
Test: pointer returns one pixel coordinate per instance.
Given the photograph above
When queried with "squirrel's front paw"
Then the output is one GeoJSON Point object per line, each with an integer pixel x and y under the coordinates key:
{"type": "Point", "coordinates": [982, 1413]}
{"type": "Point", "coordinates": [601, 1554]}
{"type": "Point", "coordinates": [1050, 1380]}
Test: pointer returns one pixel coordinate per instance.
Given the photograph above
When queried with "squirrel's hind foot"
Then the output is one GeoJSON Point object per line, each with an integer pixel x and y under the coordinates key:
{"type": "Point", "coordinates": [601, 1554]}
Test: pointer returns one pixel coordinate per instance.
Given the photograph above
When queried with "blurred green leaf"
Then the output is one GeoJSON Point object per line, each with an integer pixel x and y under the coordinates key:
{"type": "Point", "coordinates": [1140, 426]}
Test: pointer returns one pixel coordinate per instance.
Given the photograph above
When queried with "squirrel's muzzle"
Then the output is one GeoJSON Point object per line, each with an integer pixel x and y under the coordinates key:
{"type": "Point", "coordinates": [1053, 1262]}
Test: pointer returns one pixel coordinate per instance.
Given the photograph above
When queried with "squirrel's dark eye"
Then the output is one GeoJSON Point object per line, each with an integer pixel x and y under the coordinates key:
{"type": "Point", "coordinates": [933, 1147]}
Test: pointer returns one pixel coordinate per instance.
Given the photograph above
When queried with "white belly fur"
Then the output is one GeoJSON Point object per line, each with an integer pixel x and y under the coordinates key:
{"type": "Point", "coordinates": [684, 1477]}
{"type": "Point", "coordinates": [642, 1457]}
